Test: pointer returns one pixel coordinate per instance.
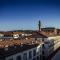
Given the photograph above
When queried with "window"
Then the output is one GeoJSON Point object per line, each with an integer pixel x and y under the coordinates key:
{"type": "Point", "coordinates": [37, 57]}
{"type": "Point", "coordinates": [30, 54]}
{"type": "Point", "coordinates": [25, 56]}
{"type": "Point", "coordinates": [42, 52]}
{"type": "Point", "coordinates": [18, 57]}
{"type": "Point", "coordinates": [34, 52]}
{"type": "Point", "coordinates": [38, 52]}
{"type": "Point", "coordinates": [11, 59]}
{"type": "Point", "coordinates": [43, 46]}
{"type": "Point", "coordinates": [40, 57]}
{"type": "Point", "coordinates": [34, 58]}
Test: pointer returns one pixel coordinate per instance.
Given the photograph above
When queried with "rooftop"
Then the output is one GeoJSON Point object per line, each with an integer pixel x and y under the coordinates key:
{"type": "Point", "coordinates": [10, 47]}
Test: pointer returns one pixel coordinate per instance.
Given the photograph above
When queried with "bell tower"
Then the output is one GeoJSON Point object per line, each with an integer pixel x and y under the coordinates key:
{"type": "Point", "coordinates": [39, 25]}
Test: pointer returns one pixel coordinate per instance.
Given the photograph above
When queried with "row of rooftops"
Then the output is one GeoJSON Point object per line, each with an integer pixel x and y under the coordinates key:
{"type": "Point", "coordinates": [10, 47]}
{"type": "Point", "coordinates": [7, 43]}
{"type": "Point", "coordinates": [15, 46]}
{"type": "Point", "coordinates": [13, 42]}
{"type": "Point", "coordinates": [46, 30]}
{"type": "Point", "coordinates": [37, 34]}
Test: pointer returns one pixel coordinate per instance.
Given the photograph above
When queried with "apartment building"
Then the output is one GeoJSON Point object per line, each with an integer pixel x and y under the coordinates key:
{"type": "Point", "coordinates": [20, 50]}
{"type": "Point", "coordinates": [51, 44]}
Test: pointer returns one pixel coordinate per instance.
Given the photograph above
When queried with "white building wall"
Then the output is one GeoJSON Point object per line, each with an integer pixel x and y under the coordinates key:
{"type": "Point", "coordinates": [38, 48]}
{"type": "Point", "coordinates": [55, 40]}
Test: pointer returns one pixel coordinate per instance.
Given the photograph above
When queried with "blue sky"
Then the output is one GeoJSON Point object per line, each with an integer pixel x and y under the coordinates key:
{"type": "Point", "coordinates": [25, 14]}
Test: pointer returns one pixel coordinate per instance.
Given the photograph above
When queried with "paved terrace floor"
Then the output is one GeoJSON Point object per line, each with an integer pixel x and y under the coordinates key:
{"type": "Point", "coordinates": [53, 55]}
{"type": "Point", "coordinates": [57, 56]}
